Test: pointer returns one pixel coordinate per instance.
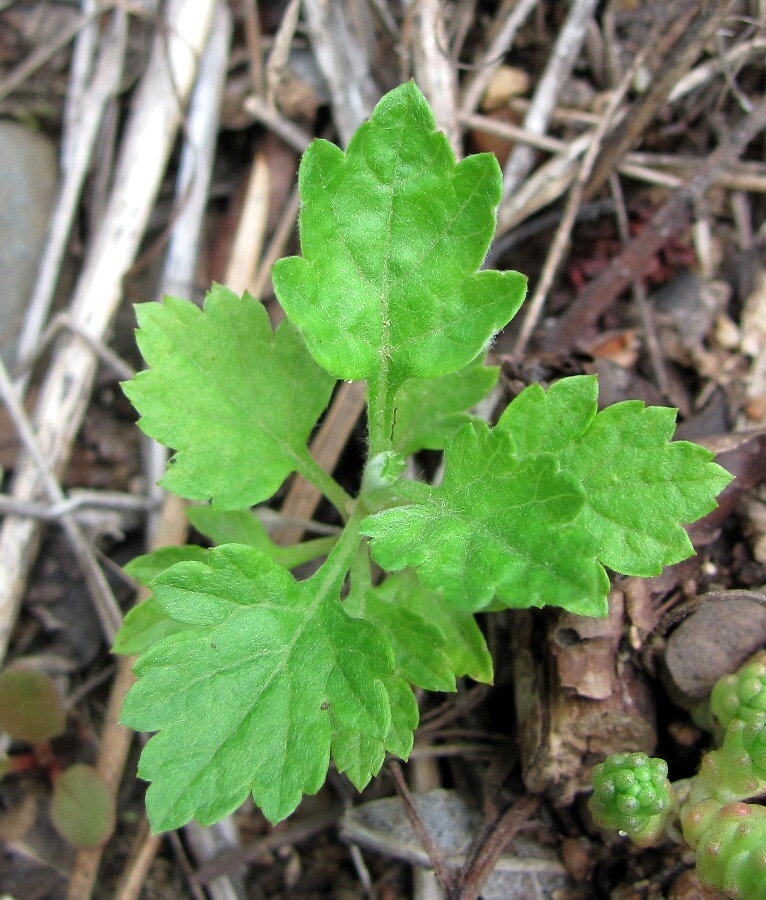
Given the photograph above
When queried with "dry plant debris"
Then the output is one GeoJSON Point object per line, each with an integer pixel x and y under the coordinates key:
{"type": "Point", "coordinates": [632, 136]}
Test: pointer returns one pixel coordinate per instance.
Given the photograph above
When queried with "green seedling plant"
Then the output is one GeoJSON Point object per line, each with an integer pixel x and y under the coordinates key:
{"type": "Point", "coordinates": [255, 681]}
{"type": "Point", "coordinates": [32, 713]}
{"type": "Point", "coordinates": [631, 792]}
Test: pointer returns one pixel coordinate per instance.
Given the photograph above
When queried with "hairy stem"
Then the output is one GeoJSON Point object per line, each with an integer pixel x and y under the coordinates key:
{"type": "Point", "coordinates": [380, 413]}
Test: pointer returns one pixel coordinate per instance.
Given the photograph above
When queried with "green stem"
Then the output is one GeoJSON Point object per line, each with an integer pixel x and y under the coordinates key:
{"type": "Point", "coordinates": [380, 413]}
{"type": "Point", "coordinates": [298, 554]}
{"type": "Point", "coordinates": [310, 469]}
{"type": "Point", "coordinates": [331, 575]}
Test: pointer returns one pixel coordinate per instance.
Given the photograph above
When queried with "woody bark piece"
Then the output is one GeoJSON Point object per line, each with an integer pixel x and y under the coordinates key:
{"type": "Point", "coordinates": [64, 395]}
{"type": "Point", "coordinates": [576, 702]}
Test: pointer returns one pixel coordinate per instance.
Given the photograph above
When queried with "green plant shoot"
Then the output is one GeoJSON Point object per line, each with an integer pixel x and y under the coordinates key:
{"type": "Point", "coordinates": [254, 681]}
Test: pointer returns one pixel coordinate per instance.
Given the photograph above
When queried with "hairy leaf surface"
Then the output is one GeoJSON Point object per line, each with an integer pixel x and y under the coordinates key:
{"type": "Point", "coordinates": [250, 698]}
{"type": "Point", "coordinates": [518, 541]}
{"type": "Point", "coordinates": [392, 234]}
{"type": "Point", "coordinates": [236, 401]}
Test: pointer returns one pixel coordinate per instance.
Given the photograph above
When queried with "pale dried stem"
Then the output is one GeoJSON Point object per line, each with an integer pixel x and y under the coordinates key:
{"type": "Point", "coordinates": [434, 72]}
{"type": "Point", "coordinates": [65, 391]}
{"type": "Point", "coordinates": [133, 879]}
{"type": "Point", "coordinates": [116, 739]}
{"type": "Point", "coordinates": [493, 57]}
{"type": "Point", "coordinates": [561, 239]}
{"type": "Point", "coordinates": [290, 133]}
{"type": "Point", "coordinates": [560, 65]}
{"type": "Point", "coordinates": [84, 121]}
{"type": "Point", "coordinates": [104, 602]}
{"type": "Point", "coordinates": [340, 48]}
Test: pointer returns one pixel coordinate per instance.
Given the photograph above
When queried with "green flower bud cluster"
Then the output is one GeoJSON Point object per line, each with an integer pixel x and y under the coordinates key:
{"type": "Point", "coordinates": [741, 695]}
{"type": "Point", "coordinates": [631, 792]}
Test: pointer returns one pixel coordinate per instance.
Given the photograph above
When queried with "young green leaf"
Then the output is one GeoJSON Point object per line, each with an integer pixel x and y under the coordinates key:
{"type": "Point", "coordinates": [465, 644]}
{"type": "Point", "coordinates": [145, 625]}
{"type": "Point", "coordinates": [147, 567]}
{"type": "Point", "coordinates": [235, 401]}
{"type": "Point", "coordinates": [638, 487]}
{"type": "Point", "coordinates": [230, 526]}
{"type": "Point", "coordinates": [433, 643]}
{"type": "Point", "coordinates": [428, 411]}
{"type": "Point", "coordinates": [392, 234]}
{"type": "Point", "coordinates": [269, 675]}
{"type": "Point", "coordinates": [498, 525]}
{"type": "Point", "coordinates": [419, 647]}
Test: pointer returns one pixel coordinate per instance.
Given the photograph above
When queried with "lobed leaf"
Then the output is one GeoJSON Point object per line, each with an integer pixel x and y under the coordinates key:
{"type": "Point", "coordinates": [638, 486]}
{"type": "Point", "coordinates": [270, 676]}
{"type": "Point", "coordinates": [392, 234]}
{"type": "Point", "coordinates": [498, 526]}
{"type": "Point", "coordinates": [236, 401]}
{"type": "Point", "coordinates": [530, 511]}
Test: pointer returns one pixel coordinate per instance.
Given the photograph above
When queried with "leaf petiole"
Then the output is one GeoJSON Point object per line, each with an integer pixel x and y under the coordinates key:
{"type": "Point", "coordinates": [310, 469]}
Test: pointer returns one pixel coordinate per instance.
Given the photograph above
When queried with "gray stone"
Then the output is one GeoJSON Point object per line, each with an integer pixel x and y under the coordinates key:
{"type": "Point", "coordinates": [28, 182]}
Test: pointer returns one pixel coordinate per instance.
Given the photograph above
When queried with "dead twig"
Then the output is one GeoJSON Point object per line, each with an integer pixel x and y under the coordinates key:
{"type": "Point", "coordinates": [691, 24]}
{"type": "Point", "coordinates": [561, 240]}
{"type": "Point", "coordinates": [511, 21]}
{"type": "Point", "coordinates": [105, 604]}
{"type": "Point", "coordinates": [66, 387]}
{"type": "Point", "coordinates": [671, 220]}
{"type": "Point", "coordinates": [489, 847]}
{"type": "Point", "coordinates": [446, 876]}
{"type": "Point", "coordinates": [560, 65]}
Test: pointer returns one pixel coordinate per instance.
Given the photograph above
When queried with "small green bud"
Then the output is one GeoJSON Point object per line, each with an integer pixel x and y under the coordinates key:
{"type": "Point", "coordinates": [631, 793]}
{"type": "Point", "coordinates": [741, 695]}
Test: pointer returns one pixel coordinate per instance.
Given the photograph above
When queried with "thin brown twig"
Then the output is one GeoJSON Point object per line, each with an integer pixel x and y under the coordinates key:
{"type": "Point", "coordinates": [254, 49]}
{"type": "Point", "coordinates": [482, 860]}
{"type": "Point", "coordinates": [639, 294]}
{"type": "Point", "coordinates": [576, 196]}
{"type": "Point", "coordinates": [671, 220]}
{"type": "Point", "coordinates": [444, 874]}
